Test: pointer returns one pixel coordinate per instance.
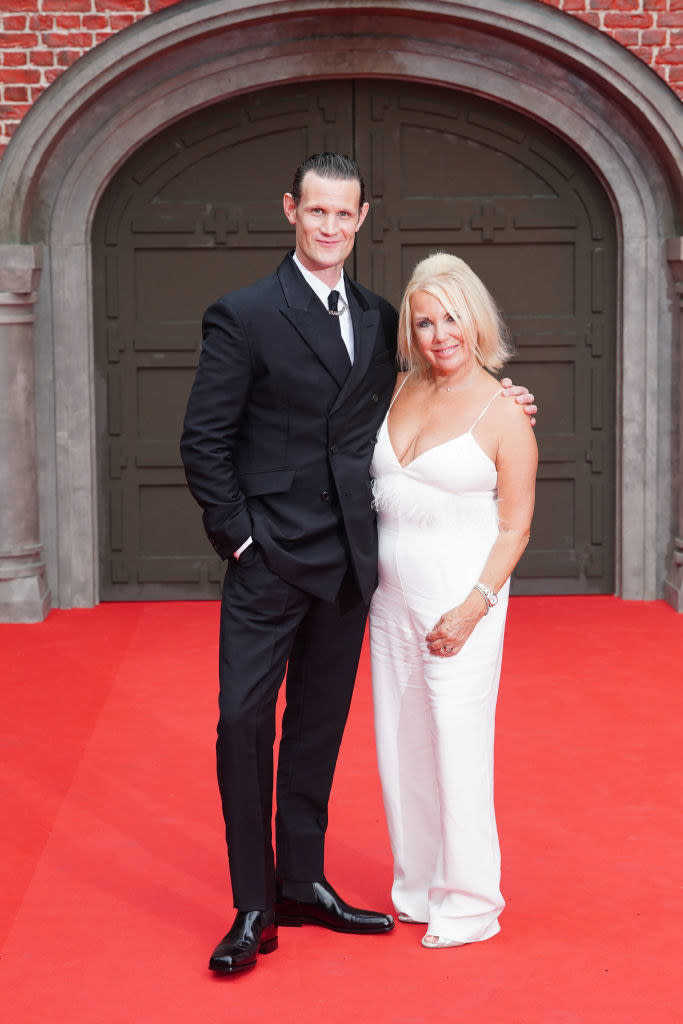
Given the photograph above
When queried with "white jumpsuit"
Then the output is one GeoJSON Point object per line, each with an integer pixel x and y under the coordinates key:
{"type": "Point", "coordinates": [434, 716]}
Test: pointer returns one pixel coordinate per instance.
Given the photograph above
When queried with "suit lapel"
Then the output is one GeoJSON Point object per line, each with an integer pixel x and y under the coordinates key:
{"type": "Point", "coordinates": [306, 313]}
{"type": "Point", "coordinates": [365, 324]}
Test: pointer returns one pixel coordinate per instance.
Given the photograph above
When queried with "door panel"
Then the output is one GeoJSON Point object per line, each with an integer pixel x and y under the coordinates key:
{"type": "Point", "coordinates": [197, 212]}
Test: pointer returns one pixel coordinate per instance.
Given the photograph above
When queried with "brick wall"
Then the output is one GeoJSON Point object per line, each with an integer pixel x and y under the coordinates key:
{"type": "Point", "coordinates": [40, 38]}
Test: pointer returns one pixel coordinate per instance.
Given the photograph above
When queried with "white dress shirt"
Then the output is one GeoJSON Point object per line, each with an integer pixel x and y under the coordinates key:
{"type": "Point", "coordinates": [322, 291]}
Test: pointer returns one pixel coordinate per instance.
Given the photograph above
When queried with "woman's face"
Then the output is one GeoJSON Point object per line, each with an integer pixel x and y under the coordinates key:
{"type": "Point", "coordinates": [437, 335]}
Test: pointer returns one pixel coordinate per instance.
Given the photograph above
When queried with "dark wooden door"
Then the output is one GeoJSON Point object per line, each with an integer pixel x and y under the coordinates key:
{"type": "Point", "coordinates": [198, 212]}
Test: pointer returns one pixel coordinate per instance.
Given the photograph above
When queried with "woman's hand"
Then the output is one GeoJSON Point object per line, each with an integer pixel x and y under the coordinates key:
{"type": "Point", "coordinates": [449, 634]}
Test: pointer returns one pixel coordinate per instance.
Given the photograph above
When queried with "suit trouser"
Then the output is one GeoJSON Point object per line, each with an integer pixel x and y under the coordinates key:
{"type": "Point", "coordinates": [266, 623]}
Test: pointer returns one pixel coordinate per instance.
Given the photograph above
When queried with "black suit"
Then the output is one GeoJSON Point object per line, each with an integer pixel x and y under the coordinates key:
{"type": "Point", "coordinates": [277, 444]}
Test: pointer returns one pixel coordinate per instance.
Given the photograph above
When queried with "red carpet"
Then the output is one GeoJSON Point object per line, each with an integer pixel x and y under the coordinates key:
{"type": "Point", "coordinates": [114, 879]}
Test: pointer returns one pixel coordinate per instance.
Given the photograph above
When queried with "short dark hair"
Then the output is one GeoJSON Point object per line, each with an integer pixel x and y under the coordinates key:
{"type": "Point", "coordinates": [328, 165]}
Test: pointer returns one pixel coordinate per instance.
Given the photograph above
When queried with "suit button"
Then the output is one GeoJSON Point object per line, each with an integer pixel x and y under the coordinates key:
{"type": "Point", "coordinates": [375, 397]}
{"type": "Point", "coordinates": [333, 449]}
{"type": "Point", "coordinates": [325, 495]}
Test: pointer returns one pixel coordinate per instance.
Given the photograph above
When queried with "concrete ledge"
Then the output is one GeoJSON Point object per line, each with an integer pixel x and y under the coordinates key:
{"type": "Point", "coordinates": [26, 597]}
{"type": "Point", "coordinates": [20, 267]}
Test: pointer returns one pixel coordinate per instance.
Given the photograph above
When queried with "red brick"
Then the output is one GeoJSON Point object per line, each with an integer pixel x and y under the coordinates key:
{"type": "Point", "coordinates": [574, 6]}
{"type": "Point", "coordinates": [625, 5]}
{"type": "Point", "coordinates": [41, 22]}
{"type": "Point", "coordinates": [14, 112]}
{"type": "Point", "coordinates": [160, 5]}
{"type": "Point", "coordinates": [654, 5]}
{"type": "Point", "coordinates": [65, 58]}
{"type": "Point", "coordinates": [23, 76]}
{"type": "Point", "coordinates": [16, 94]}
{"type": "Point", "coordinates": [119, 21]}
{"type": "Point", "coordinates": [644, 52]}
{"type": "Point", "coordinates": [73, 5]}
{"type": "Point", "coordinates": [66, 21]}
{"type": "Point", "coordinates": [625, 36]}
{"type": "Point", "coordinates": [670, 55]}
{"type": "Point", "coordinates": [600, 5]}
{"type": "Point", "coordinates": [120, 5]}
{"type": "Point", "coordinates": [21, 5]}
{"type": "Point", "coordinates": [676, 37]}
{"type": "Point", "coordinates": [52, 73]}
{"type": "Point", "coordinates": [42, 58]}
{"type": "Point", "coordinates": [80, 40]}
{"type": "Point", "coordinates": [653, 37]}
{"type": "Point", "coordinates": [100, 37]}
{"type": "Point", "coordinates": [17, 40]}
{"type": "Point", "coordinates": [671, 20]}
{"type": "Point", "coordinates": [14, 58]}
{"type": "Point", "coordinates": [676, 5]}
{"type": "Point", "coordinates": [590, 17]}
{"type": "Point", "coordinates": [14, 22]}
{"type": "Point", "coordinates": [617, 19]}
{"type": "Point", "coordinates": [95, 22]}
{"type": "Point", "coordinates": [676, 75]}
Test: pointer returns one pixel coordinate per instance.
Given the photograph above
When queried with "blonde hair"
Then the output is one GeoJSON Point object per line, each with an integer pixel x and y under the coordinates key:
{"type": "Point", "coordinates": [464, 296]}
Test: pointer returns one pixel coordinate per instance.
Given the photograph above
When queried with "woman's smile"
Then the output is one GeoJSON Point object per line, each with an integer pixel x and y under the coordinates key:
{"type": "Point", "coordinates": [447, 350]}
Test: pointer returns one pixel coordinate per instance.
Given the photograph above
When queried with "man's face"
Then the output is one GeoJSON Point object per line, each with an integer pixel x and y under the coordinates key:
{"type": "Point", "coordinates": [326, 221]}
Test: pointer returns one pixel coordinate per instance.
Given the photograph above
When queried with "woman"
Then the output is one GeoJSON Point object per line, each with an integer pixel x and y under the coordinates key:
{"type": "Point", "coordinates": [454, 470]}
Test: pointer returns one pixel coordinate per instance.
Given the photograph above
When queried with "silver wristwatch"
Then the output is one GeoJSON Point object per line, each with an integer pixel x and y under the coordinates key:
{"type": "Point", "coordinates": [488, 595]}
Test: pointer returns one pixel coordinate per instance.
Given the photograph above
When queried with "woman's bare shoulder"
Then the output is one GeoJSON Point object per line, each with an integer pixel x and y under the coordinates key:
{"type": "Point", "coordinates": [508, 421]}
{"type": "Point", "coordinates": [507, 408]}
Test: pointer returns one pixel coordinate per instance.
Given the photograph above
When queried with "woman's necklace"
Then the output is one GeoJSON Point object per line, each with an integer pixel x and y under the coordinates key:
{"type": "Point", "coordinates": [453, 387]}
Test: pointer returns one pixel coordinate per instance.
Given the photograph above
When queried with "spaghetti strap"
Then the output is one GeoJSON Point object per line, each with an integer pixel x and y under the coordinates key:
{"type": "Point", "coordinates": [398, 392]}
{"type": "Point", "coordinates": [485, 410]}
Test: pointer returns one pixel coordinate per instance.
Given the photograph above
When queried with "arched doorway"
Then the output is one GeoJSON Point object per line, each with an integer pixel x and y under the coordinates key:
{"type": "Point", "coordinates": [197, 211]}
{"type": "Point", "coordinates": [619, 117]}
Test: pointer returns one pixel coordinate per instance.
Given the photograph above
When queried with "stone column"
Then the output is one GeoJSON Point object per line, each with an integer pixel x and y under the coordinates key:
{"type": "Point", "coordinates": [673, 586]}
{"type": "Point", "coordinates": [24, 593]}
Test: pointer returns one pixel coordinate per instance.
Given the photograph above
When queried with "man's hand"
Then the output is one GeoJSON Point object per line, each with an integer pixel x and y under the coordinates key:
{"type": "Point", "coordinates": [522, 396]}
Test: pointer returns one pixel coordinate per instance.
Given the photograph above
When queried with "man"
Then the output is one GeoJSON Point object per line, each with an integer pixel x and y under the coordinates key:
{"type": "Point", "coordinates": [294, 379]}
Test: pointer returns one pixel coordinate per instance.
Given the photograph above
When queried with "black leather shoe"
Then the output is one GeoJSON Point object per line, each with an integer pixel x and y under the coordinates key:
{"type": "Point", "coordinates": [252, 932]}
{"type": "Point", "coordinates": [323, 906]}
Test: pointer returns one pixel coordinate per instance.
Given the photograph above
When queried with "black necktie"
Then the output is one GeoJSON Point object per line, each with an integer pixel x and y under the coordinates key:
{"type": "Point", "coordinates": [333, 307]}
{"type": "Point", "coordinates": [335, 313]}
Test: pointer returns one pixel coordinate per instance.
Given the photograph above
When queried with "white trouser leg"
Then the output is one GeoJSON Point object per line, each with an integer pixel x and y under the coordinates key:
{"type": "Point", "coordinates": [404, 752]}
{"type": "Point", "coordinates": [464, 895]}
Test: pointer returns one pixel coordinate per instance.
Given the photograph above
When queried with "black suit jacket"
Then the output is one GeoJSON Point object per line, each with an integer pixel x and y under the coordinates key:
{"type": "Point", "coordinates": [279, 429]}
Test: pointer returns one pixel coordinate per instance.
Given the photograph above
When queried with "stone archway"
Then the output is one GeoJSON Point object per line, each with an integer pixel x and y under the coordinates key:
{"type": "Point", "coordinates": [198, 210]}
{"type": "Point", "coordinates": [608, 105]}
